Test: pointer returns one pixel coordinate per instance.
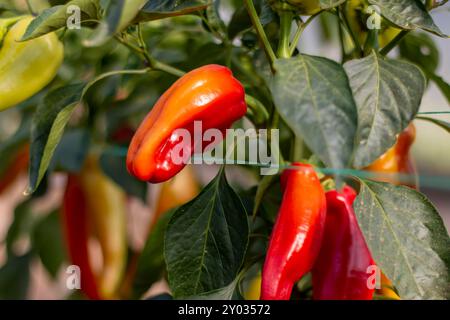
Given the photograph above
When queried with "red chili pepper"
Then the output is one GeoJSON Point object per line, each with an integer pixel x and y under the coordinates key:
{"type": "Point", "coordinates": [341, 269]}
{"type": "Point", "coordinates": [76, 229]}
{"type": "Point", "coordinates": [297, 234]}
{"type": "Point", "coordinates": [209, 94]}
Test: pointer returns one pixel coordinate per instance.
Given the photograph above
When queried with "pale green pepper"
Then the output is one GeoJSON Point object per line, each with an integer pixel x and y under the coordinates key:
{"type": "Point", "coordinates": [25, 67]}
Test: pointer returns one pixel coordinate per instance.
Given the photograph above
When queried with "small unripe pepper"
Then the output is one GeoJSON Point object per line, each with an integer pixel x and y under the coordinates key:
{"type": "Point", "coordinates": [94, 206]}
{"type": "Point", "coordinates": [341, 268]}
{"type": "Point", "coordinates": [209, 94]}
{"type": "Point", "coordinates": [26, 67]}
{"type": "Point", "coordinates": [297, 234]}
{"type": "Point", "coordinates": [253, 291]}
{"type": "Point", "coordinates": [397, 159]}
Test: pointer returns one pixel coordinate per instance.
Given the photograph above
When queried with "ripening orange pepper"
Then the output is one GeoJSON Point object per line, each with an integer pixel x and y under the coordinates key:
{"type": "Point", "coordinates": [387, 289]}
{"type": "Point", "coordinates": [18, 165]}
{"type": "Point", "coordinates": [209, 95]}
{"type": "Point", "coordinates": [397, 160]}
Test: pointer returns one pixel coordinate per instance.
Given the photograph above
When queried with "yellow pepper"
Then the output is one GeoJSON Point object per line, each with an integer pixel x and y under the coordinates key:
{"type": "Point", "coordinates": [25, 67]}
{"type": "Point", "coordinates": [106, 204]}
{"type": "Point", "coordinates": [175, 192]}
{"type": "Point", "coordinates": [357, 18]}
{"type": "Point", "coordinates": [253, 291]}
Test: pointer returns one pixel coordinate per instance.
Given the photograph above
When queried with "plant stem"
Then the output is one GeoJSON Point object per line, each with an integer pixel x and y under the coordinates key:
{"type": "Point", "coordinates": [301, 27]}
{"type": "Point", "coordinates": [343, 17]}
{"type": "Point", "coordinates": [285, 34]}
{"type": "Point", "coordinates": [391, 45]}
{"type": "Point", "coordinates": [371, 42]}
{"type": "Point", "coordinates": [30, 8]}
{"type": "Point", "coordinates": [260, 31]}
{"type": "Point", "coordinates": [298, 148]}
{"type": "Point", "coordinates": [153, 64]}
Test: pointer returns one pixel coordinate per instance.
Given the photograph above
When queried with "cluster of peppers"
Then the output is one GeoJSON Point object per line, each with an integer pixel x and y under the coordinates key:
{"type": "Point", "coordinates": [318, 232]}
{"type": "Point", "coordinates": [315, 231]}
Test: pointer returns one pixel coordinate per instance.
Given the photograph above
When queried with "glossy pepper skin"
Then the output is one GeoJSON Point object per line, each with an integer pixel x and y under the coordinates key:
{"type": "Point", "coordinates": [96, 207]}
{"type": "Point", "coordinates": [397, 159]}
{"type": "Point", "coordinates": [340, 271]}
{"type": "Point", "coordinates": [209, 94]}
{"type": "Point", "coordinates": [297, 234]}
{"type": "Point", "coordinates": [26, 67]}
{"type": "Point", "coordinates": [18, 165]}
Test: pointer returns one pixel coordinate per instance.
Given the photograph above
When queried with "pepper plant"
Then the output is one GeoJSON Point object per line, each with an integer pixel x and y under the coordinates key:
{"type": "Point", "coordinates": [102, 91]}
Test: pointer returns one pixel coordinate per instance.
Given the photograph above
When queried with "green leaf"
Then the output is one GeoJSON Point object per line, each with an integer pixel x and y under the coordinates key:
{"type": "Point", "coordinates": [113, 165]}
{"type": "Point", "coordinates": [443, 124]}
{"type": "Point", "coordinates": [48, 242]}
{"type": "Point", "coordinates": [420, 49]}
{"type": "Point", "coordinates": [442, 85]}
{"type": "Point", "coordinates": [225, 293]}
{"type": "Point", "coordinates": [407, 14]}
{"type": "Point", "coordinates": [214, 19]}
{"type": "Point", "coordinates": [407, 238]}
{"type": "Point", "coordinates": [241, 21]}
{"type": "Point", "coordinates": [55, 18]}
{"type": "Point", "coordinates": [388, 95]}
{"type": "Point", "coordinates": [48, 126]}
{"type": "Point", "coordinates": [70, 153]}
{"type": "Point", "coordinates": [264, 184]}
{"type": "Point", "coordinates": [313, 96]}
{"type": "Point", "coordinates": [206, 240]}
{"type": "Point", "coordinates": [151, 265]}
{"type": "Point", "coordinates": [160, 9]}
{"type": "Point", "coordinates": [15, 277]}
{"type": "Point", "coordinates": [118, 15]}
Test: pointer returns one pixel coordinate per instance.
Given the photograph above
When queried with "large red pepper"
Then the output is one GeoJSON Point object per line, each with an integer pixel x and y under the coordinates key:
{"type": "Point", "coordinates": [209, 94]}
{"type": "Point", "coordinates": [341, 269]}
{"type": "Point", "coordinates": [397, 160]}
{"type": "Point", "coordinates": [297, 234]}
{"type": "Point", "coordinates": [77, 231]}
